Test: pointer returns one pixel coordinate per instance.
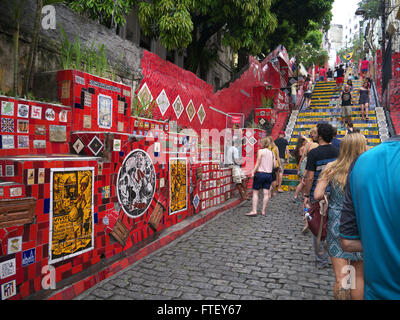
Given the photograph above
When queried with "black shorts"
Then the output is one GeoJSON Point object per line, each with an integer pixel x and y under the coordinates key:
{"type": "Point", "coordinates": [262, 180]}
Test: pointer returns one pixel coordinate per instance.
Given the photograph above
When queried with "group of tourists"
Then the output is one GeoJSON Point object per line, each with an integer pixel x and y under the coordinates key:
{"type": "Point", "coordinates": [360, 183]}
{"type": "Point", "coordinates": [363, 220]}
{"type": "Point", "coordinates": [268, 170]}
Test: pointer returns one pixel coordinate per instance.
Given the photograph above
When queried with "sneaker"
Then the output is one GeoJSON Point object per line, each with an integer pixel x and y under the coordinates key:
{"type": "Point", "coordinates": [296, 200]}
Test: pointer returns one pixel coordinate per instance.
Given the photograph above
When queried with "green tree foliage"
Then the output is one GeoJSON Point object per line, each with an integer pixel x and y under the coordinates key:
{"type": "Point", "coordinates": [108, 12]}
{"type": "Point", "coordinates": [308, 55]}
{"type": "Point", "coordinates": [167, 20]}
{"type": "Point", "coordinates": [371, 7]}
{"type": "Point", "coordinates": [296, 19]}
{"type": "Point", "coordinates": [371, 16]}
{"type": "Point", "coordinates": [192, 23]}
{"type": "Point", "coordinates": [308, 51]}
{"type": "Point", "coordinates": [250, 27]}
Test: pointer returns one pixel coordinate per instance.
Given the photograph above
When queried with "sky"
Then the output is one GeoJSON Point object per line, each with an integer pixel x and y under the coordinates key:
{"type": "Point", "coordinates": [342, 10]}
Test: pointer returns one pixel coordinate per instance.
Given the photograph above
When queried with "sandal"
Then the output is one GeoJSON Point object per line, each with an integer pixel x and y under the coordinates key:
{"type": "Point", "coordinates": [251, 214]}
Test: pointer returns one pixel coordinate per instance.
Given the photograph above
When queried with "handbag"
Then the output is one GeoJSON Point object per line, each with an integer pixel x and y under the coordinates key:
{"type": "Point", "coordinates": [318, 224]}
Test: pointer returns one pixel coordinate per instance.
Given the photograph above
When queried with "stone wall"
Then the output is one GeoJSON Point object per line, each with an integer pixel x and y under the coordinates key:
{"type": "Point", "coordinates": [123, 53]}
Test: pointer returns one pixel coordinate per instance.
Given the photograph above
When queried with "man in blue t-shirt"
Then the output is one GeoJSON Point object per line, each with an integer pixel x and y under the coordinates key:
{"type": "Point", "coordinates": [370, 220]}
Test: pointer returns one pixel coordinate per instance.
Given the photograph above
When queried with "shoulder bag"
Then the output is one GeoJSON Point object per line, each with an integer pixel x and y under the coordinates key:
{"type": "Point", "coordinates": [318, 224]}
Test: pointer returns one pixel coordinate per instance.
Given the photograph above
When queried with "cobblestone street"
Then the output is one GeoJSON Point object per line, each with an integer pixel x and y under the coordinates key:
{"type": "Point", "coordinates": [230, 257]}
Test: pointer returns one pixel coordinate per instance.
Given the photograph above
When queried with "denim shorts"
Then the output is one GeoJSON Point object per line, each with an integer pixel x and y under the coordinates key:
{"type": "Point", "coordinates": [262, 180]}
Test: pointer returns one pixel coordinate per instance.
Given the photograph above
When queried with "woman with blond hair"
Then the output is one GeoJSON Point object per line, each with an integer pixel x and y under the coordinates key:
{"type": "Point", "coordinates": [277, 164]}
{"type": "Point", "coordinates": [334, 177]}
{"type": "Point", "coordinates": [262, 174]}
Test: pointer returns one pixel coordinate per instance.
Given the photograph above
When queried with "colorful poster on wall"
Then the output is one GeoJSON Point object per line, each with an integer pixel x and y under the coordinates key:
{"type": "Point", "coordinates": [71, 213]}
{"type": "Point", "coordinates": [136, 183]}
{"type": "Point", "coordinates": [178, 184]}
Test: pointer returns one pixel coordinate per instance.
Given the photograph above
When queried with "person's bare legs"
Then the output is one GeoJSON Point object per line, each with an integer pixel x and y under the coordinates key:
{"type": "Point", "coordinates": [273, 187]}
{"type": "Point", "coordinates": [244, 186]}
{"type": "Point", "coordinates": [299, 189]}
{"type": "Point", "coordinates": [338, 264]}
{"type": "Point", "coordinates": [265, 201]}
{"type": "Point", "coordinates": [366, 111]}
{"type": "Point", "coordinates": [241, 191]}
{"type": "Point", "coordinates": [362, 112]}
{"type": "Point", "coordinates": [358, 292]}
{"type": "Point", "coordinates": [254, 204]}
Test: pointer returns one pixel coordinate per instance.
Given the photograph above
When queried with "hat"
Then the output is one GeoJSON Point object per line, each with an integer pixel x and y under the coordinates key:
{"type": "Point", "coordinates": [282, 132]}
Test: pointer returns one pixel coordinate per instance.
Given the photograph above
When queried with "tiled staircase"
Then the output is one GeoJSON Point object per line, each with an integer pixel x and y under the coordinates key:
{"type": "Point", "coordinates": [323, 109]}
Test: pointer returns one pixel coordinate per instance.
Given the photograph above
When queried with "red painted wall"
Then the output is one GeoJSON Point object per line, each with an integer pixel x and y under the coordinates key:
{"type": "Point", "coordinates": [242, 96]}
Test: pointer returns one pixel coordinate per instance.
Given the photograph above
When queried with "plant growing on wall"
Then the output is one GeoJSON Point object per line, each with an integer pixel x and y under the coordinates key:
{"type": "Point", "coordinates": [267, 102]}
{"type": "Point", "coordinates": [144, 110]}
{"type": "Point", "coordinates": [87, 59]}
{"type": "Point", "coordinates": [66, 51]}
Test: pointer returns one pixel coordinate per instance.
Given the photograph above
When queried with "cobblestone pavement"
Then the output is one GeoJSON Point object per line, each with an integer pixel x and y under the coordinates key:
{"type": "Point", "coordinates": [230, 257]}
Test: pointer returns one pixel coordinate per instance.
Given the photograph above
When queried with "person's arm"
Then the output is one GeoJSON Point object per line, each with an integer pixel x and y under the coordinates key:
{"type": "Point", "coordinates": [340, 99]}
{"type": "Point", "coordinates": [257, 163]}
{"type": "Point", "coordinates": [351, 245]}
{"type": "Point", "coordinates": [320, 189]}
{"type": "Point", "coordinates": [236, 157]}
{"type": "Point", "coordinates": [277, 157]}
{"type": "Point", "coordinates": [309, 178]}
{"type": "Point", "coordinates": [288, 155]}
{"type": "Point", "coordinates": [349, 235]}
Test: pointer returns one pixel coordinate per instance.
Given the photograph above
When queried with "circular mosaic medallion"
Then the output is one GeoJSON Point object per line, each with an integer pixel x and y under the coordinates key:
{"type": "Point", "coordinates": [136, 183]}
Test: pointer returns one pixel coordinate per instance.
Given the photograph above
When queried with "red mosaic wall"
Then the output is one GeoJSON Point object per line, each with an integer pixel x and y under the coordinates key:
{"type": "Point", "coordinates": [93, 130]}
{"type": "Point", "coordinates": [393, 87]}
{"type": "Point", "coordinates": [241, 96]}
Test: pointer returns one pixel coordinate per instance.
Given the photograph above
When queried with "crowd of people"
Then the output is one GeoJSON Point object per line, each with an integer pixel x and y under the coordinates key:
{"type": "Point", "coordinates": [363, 217]}
{"type": "Point", "coordinates": [364, 208]}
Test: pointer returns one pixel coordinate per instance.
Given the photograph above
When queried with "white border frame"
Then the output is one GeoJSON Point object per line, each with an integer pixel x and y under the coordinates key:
{"type": "Point", "coordinates": [98, 110]}
{"type": "Point", "coordinates": [139, 95]}
{"type": "Point", "coordinates": [173, 107]}
{"type": "Point", "coordinates": [205, 114]}
{"type": "Point", "coordinates": [102, 145]}
{"type": "Point", "coordinates": [52, 170]}
{"type": "Point", "coordinates": [155, 184]}
{"type": "Point", "coordinates": [158, 104]}
{"type": "Point", "coordinates": [194, 114]}
{"type": "Point", "coordinates": [169, 190]}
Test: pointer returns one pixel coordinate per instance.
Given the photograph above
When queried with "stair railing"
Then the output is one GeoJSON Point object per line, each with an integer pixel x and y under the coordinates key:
{"type": "Point", "coordinates": [388, 118]}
